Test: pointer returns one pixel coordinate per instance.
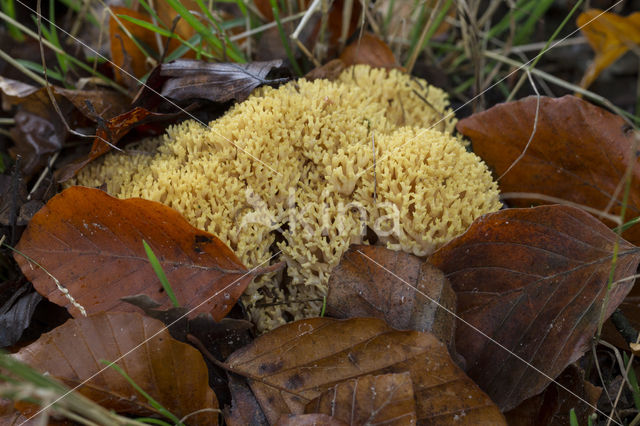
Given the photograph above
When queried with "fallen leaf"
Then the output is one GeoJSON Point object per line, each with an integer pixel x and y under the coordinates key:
{"type": "Point", "coordinates": [552, 407]}
{"type": "Point", "coordinates": [105, 104]}
{"type": "Point", "coordinates": [329, 71]}
{"type": "Point", "coordinates": [534, 281]}
{"type": "Point", "coordinates": [38, 130]}
{"type": "Point", "coordinates": [216, 82]}
{"type": "Point", "coordinates": [295, 363]}
{"type": "Point", "coordinates": [14, 91]}
{"type": "Point", "coordinates": [579, 153]}
{"type": "Point", "coordinates": [92, 243]}
{"type": "Point", "coordinates": [383, 399]}
{"type": "Point", "coordinates": [309, 420]}
{"type": "Point", "coordinates": [610, 35]}
{"type": "Point", "coordinates": [369, 50]}
{"type": "Point", "coordinates": [15, 315]}
{"type": "Point", "coordinates": [130, 63]}
{"type": "Point", "coordinates": [112, 131]}
{"type": "Point", "coordinates": [360, 287]}
{"type": "Point", "coordinates": [245, 409]}
{"type": "Point", "coordinates": [173, 373]}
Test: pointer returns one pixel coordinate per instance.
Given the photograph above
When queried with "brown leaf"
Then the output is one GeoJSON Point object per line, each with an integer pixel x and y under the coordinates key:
{"type": "Point", "coordinates": [217, 82]}
{"type": "Point", "coordinates": [245, 409]}
{"type": "Point", "coordinates": [552, 406]}
{"type": "Point", "coordinates": [124, 52]}
{"type": "Point", "coordinates": [111, 131]}
{"type": "Point", "coordinates": [610, 36]}
{"type": "Point", "coordinates": [92, 243]}
{"type": "Point", "coordinates": [173, 373]}
{"type": "Point", "coordinates": [579, 153]}
{"type": "Point", "coordinates": [359, 287]}
{"type": "Point", "coordinates": [384, 399]}
{"type": "Point", "coordinates": [313, 419]}
{"type": "Point", "coordinates": [369, 50]}
{"type": "Point", "coordinates": [533, 280]}
{"type": "Point", "coordinates": [293, 364]}
{"type": "Point", "coordinates": [105, 104]}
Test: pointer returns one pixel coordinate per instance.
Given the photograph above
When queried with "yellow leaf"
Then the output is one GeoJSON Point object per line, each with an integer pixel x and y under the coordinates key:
{"type": "Point", "coordinates": [610, 36]}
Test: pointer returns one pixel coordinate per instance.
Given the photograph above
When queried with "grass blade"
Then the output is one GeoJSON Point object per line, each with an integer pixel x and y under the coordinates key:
{"type": "Point", "coordinates": [155, 264]}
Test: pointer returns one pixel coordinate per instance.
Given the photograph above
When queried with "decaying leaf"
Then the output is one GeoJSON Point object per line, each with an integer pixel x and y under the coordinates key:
{"type": "Point", "coordinates": [361, 287]}
{"type": "Point", "coordinates": [92, 243]}
{"type": "Point", "coordinates": [309, 420]}
{"type": "Point", "coordinates": [610, 35]}
{"type": "Point", "coordinates": [579, 153]}
{"type": "Point", "coordinates": [217, 82]}
{"type": "Point", "coordinates": [534, 281]}
{"type": "Point", "coordinates": [369, 50]}
{"type": "Point", "coordinates": [109, 133]}
{"type": "Point", "coordinates": [173, 373]}
{"type": "Point", "coordinates": [129, 61]}
{"type": "Point", "coordinates": [552, 407]}
{"type": "Point", "coordinates": [245, 409]}
{"type": "Point", "coordinates": [15, 314]}
{"type": "Point", "coordinates": [295, 363]}
{"type": "Point", "coordinates": [383, 399]}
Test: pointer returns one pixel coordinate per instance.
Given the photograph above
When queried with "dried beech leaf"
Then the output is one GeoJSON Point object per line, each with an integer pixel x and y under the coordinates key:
{"type": "Point", "coordinates": [112, 131]}
{"type": "Point", "coordinates": [552, 407]}
{"type": "Point", "coordinates": [173, 373]}
{"type": "Point", "coordinates": [295, 363]}
{"type": "Point", "coordinates": [313, 419]}
{"type": "Point", "coordinates": [92, 243]}
{"type": "Point", "coordinates": [386, 399]}
{"type": "Point", "coordinates": [15, 315]}
{"type": "Point", "coordinates": [369, 50]}
{"type": "Point", "coordinates": [533, 280]}
{"type": "Point", "coordinates": [124, 52]}
{"type": "Point", "coordinates": [217, 82]}
{"type": "Point", "coordinates": [245, 409]}
{"type": "Point", "coordinates": [610, 35]}
{"type": "Point", "coordinates": [579, 153]}
{"type": "Point", "coordinates": [358, 287]}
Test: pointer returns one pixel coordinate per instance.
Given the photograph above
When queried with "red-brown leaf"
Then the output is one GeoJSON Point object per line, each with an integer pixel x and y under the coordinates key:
{"type": "Point", "coordinates": [173, 373]}
{"type": "Point", "coordinates": [360, 287]}
{"type": "Point", "coordinates": [533, 280]}
{"type": "Point", "coordinates": [92, 243]}
{"type": "Point", "coordinates": [579, 153]}
{"type": "Point", "coordinates": [293, 364]}
{"type": "Point", "coordinates": [386, 399]}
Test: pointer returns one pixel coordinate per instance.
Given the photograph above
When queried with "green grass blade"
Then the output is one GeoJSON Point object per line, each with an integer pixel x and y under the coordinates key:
{"type": "Point", "coordinates": [573, 418]}
{"type": "Point", "coordinates": [524, 32]}
{"type": "Point", "coordinates": [8, 7]}
{"type": "Point", "coordinates": [160, 273]}
{"type": "Point", "coordinates": [152, 421]}
{"type": "Point", "coordinates": [155, 404]}
{"type": "Point", "coordinates": [284, 39]}
{"type": "Point", "coordinates": [146, 25]}
{"type": "Point", "coordinates": [518, 13]}
{"type": "Point", "coordinates": [205, 32]}
{"type": "Point", "coordinates": [34, 66]}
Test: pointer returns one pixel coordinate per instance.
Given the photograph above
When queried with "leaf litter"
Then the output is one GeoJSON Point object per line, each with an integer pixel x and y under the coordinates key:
{"type": "Point", "coordinates": [544, 244]}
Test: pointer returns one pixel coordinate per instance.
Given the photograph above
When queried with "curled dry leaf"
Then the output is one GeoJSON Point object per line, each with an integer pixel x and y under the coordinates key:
{"type": "Point", "coordinates": [579, 153]}
{"type": "Point", "coordinates": [92, 243]}
{"type": "Point", "coordinates": [173, 373]}
{"type": "Point", "coordinates": [217, 82]}
{"type": "Point", "coordinates": [385, 399]}
{"type": "Point", "coordinates": [245, 409]}
{"type": "Point", "coordinates": [610, 35]}
{"type": "Point", "coordinates": [112, 131]}
{"type": "Point", "coordinates": [533, 280]}
{"type": "Point", "coordinates": [294, 364]}
{"type": "Point", "coordinates": [360, 286]}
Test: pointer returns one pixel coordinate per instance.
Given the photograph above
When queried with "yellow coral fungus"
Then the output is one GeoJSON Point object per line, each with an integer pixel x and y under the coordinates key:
{"type": "Point", "coordinates": [290, 172]}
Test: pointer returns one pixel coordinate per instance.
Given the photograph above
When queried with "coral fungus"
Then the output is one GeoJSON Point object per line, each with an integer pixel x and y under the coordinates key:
{"type": "Point", "coordinates": [305, 170]}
